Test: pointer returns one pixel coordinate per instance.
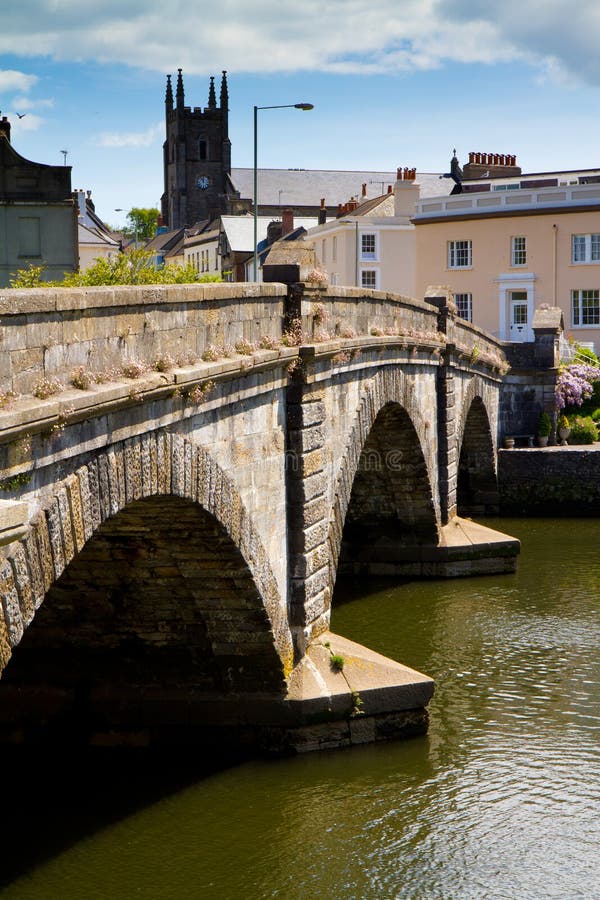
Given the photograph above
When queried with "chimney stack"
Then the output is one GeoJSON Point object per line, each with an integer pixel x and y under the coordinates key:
{"type": "Point", "coordinates": [491, 165]}
{"type": "Point", "coordinates": [322, 212]}
{"type": "Point", "coordinates": [287, 221]}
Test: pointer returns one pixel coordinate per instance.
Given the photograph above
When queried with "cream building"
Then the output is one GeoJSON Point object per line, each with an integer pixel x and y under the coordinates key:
{"type": "Point", "coordinates": [373, 244]}
{"type": "Point", "coordinates": [504, 248]}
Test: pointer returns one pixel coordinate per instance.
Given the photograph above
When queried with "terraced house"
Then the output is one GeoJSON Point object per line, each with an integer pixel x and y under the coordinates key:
{"type": "Point", "coordinates": [509, 243]}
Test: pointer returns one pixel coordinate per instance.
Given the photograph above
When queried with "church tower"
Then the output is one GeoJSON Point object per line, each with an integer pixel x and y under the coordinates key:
{"type": "Point", "coordinates": [196, 157]}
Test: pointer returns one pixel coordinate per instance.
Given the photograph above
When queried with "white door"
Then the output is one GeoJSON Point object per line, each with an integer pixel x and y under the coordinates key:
{"type": "Point", "coordinates": [518, 321]}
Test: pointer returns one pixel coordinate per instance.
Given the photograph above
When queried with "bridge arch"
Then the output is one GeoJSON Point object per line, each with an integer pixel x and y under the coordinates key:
{"type": "Point", "coordinates": [384, 491]}
{"type": "Point", "coordinates": [162, 502]}
{"type": "Point", "coordinates": [477, 485]}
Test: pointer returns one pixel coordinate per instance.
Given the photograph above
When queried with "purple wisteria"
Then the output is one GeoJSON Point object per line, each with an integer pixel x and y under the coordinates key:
{"type": "Point", "coordinates": [575, 384]}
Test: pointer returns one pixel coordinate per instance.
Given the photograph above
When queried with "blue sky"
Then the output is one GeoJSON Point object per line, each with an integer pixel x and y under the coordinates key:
{"type": "Point", "coordinates": [394, 82]}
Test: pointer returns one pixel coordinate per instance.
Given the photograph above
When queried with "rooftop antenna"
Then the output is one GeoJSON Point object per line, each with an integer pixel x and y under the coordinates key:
{"type": "Point", "coordinates": [64, 153]}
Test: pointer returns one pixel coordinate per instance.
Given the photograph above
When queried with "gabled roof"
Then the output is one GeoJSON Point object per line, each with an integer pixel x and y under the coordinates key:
{"type": "Point", "coordinates": [240, 230]}
{"type": "Point", "coordinates": [379, 206]}
{"type": "Point", "coordinates": [88, 236]}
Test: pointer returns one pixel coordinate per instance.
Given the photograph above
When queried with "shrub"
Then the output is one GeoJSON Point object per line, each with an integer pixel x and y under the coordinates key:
{"type": "Point", "coordinates": [268, 343]}
{"type": "Point", "coordinates": [211, 354]}
{"type": "Point", "coordinates": [134, 267]}
{"type": "Point", "coordinates": [164, 362]}
{"type": "Point", "coordinates": [596, 415]}
{"type": "Point", "coordinates": [244, 347]}
{"type": "Point", "coordinates": [583, 430]}
{"type": "Point", "coordinates": [586, 355]}
{"type": "Point", "coordinates": [292, 336]}
{"type": "Point", "coordinates": [47, 387]}
{"type": "Point", "coordinates": [6, 398]}
{"type": "Point", "coordinates": [134, 369]}
{"type": "Point", "coordinates": [81, 379]}
{"type": "Point", "coordinates": [544, 425]}
{"type": "Point", "coordinates": [28, 278]}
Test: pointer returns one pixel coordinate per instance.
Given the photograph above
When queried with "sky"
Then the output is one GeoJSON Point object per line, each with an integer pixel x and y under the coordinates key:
{"type": "Point", "coordinates": [393, 83]}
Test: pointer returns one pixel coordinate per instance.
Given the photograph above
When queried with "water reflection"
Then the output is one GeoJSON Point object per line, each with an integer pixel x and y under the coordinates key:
{"type": "Point", "coordinates": [500, 801]}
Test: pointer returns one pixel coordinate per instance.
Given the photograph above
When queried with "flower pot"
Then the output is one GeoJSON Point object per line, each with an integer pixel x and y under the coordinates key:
{"type": "Point", "coordinates": [563, 434]}
{"type": "Point", "coordinates": [509, 443]}
{"type": "Point", "coordinates": [542, 440]}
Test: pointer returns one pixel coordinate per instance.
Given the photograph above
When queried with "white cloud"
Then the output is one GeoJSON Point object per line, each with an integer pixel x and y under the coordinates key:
{"type": "Point", "coordinates": [27, 122]}
{"type": "Point", "coordinates": [28, 103]}
{"type": "Point", "coordinates": [561, 41]}
{"type": "Point", "coordinates": [11, 80]}
{"type": "Point", "coordinates": [114, 139]}
{"type": "Point", "coordinates": [284, 36]}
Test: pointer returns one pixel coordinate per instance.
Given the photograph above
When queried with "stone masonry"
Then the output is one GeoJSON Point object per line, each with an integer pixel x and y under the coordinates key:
{"type": "Point", "coordinates": [173, 528]}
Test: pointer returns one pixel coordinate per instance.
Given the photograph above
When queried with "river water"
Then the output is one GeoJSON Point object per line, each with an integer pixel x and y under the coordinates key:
{"type": "Point", "coordinates": [501, 800]}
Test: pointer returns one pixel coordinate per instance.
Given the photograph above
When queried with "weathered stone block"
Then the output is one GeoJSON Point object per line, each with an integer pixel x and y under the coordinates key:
{"type": "Point", "coordinates": [10, 603]}
{"type": "Point", "coordinates": [18, 560]}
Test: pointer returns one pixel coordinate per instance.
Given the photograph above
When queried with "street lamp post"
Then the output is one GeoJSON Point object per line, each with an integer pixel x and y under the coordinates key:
{"type": "Point", "coordinates": [304, 106]}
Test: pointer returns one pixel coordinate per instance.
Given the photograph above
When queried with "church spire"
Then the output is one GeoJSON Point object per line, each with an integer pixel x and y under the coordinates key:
{"type": "Point", "coordinates": [169, 95]}
{"type": "Point", "coordinates": [224, 92]}
{"type": "Point", "coordinates": [212, 97]}
{"type": "Point", "coordinates": [180, 94]}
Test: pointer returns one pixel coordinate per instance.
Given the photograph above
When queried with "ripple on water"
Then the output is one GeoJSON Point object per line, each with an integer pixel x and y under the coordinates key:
{"type": "Point", "coordinates": [500, 801]}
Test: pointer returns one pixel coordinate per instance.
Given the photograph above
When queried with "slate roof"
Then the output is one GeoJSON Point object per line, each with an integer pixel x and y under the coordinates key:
{"type": "Point", "coordinates": [87, 235]}
{"type": "Point", "coordinates": [240, 229]}
{"type": "Point", "coordinates": [165, 241]}
{"type": "Point", "coordinates": [306, 187]}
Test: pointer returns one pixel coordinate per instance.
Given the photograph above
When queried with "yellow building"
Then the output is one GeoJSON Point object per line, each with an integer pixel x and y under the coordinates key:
{"type": "Point", "coordinates": [508, 245]}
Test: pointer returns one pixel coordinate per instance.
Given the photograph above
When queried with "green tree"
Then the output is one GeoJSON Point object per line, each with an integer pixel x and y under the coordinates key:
{"type": "Point", "coordinates": [141, 223]}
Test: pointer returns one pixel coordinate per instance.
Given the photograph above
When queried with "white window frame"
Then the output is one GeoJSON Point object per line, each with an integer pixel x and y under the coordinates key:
{"type": "Point", "coordinates": [460, 250]}
{"type": "Point", "coordinates": [586, 247]}
{"type": "Point", "coordinates": [369, 255]}
{"type": "Point", "coordinates": [375, 272]}
{"type": "Point", "coordinates": [518, 251]}
{"type": "Point", "coordinates": [464, 300]}
{"type": "Point", "coordinates": [334, 249]}
{"type": "Point", "coordinates": [324, 252]}
{"type": "Point", "coordinates": [579, 311]}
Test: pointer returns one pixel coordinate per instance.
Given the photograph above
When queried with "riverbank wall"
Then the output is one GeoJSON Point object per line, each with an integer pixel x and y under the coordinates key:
{"type": "Point", "coordinates": [551, 481]}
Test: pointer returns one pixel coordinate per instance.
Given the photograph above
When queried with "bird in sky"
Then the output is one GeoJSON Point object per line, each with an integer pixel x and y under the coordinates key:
{"type": "Point", "coordinates": [21, 115]}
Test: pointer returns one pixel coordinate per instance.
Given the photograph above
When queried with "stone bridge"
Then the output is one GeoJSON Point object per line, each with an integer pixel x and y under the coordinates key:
{"type": "Point", "coordinates": [186, 469]}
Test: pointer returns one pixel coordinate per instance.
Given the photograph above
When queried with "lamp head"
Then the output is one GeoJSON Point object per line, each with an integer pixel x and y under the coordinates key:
{"type": "Point", "coordinates": [305, 106]}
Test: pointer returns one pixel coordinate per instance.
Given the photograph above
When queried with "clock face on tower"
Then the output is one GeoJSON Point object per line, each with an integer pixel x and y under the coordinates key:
{"type": "Point", "coordinates": [203, 182]}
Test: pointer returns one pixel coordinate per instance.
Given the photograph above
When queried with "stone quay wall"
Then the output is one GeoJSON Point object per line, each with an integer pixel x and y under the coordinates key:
{"type": "Point", "coordinates": [562, 481]}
